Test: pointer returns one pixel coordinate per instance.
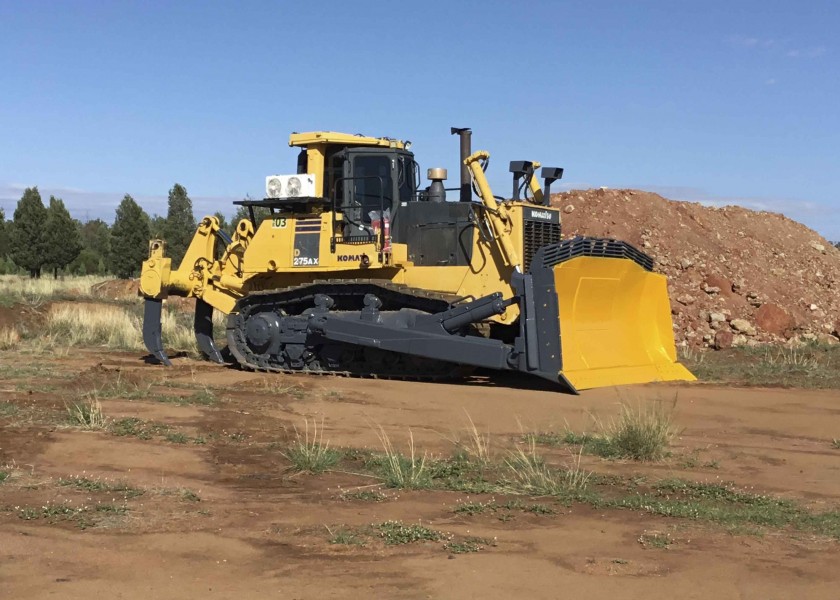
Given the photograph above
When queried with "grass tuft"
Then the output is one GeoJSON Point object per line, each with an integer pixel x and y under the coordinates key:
{"type": "Point", "coordinates": [345, 537]}
{"type": "Point", "coordinates": [532, 476]}
{"type": "Point", "coordinates": [467, 545]}
{"type": "Point", "coordinates": [396, 533]}
{"type": "Point", "coordinates": [478, 444]}
{"type": "Point", "coordinates": [365, 496]}
{"type": "Point", "coordinates": [309, 452]}
{"type": "Point", "coordinates": [641, 433]}
{"type": "Point", "coordinates": [655, 539]}
{"type": "Point", "coordinates": [403, 472]}
{"type": "Point", "coordinates": [97, 485]}
{"type": "Point", "coordinates": [8, 409]}
{"type": "Point", "coordinates": [9, 338]}
{"type": "Point", "coordinates": [87, 414]}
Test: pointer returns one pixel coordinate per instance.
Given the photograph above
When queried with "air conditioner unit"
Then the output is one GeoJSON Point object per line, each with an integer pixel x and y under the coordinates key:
{"type": "Point", "coordinates": [290, 186]}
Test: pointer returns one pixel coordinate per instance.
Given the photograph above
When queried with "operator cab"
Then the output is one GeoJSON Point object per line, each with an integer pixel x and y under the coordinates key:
{"type": "Point", "coordinates": [361, 178]}
{"type": "Point", "coordinates": [366, 182]}
{"type": "Point", "coordinates": [370, 183]}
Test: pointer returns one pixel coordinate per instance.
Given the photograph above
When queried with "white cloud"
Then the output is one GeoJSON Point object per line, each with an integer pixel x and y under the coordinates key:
{"type": "Point", "coordinates": [811, 52]}
{"type": "Point", "coordinates": [751, 42]}
{"type": "Point", "coordinates": [777, 46]}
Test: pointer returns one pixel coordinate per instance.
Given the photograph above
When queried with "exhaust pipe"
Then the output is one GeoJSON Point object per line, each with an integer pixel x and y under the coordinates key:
{"type": "Point", "coordinates": [465, 133]}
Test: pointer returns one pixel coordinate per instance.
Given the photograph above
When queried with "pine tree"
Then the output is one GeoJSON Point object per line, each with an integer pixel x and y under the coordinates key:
{"type": "Point", "coordinates": [260, 214]}
{"type": "Point", "coordinates": [96, 242]}
{"type": "Point", "coordinates": [157, 227]}
{"type": "Point", "coordinates": [27, 237]}
{"type": "Point", "coordinates": [4, 235]}
{"type": "Point", "coordinates": [180, 224]}
{"type": "Point", "coordinates": [223, 224]}
{"type": "Point", "coordinates": [129, 239]}
{"type": "Point", "coordinates": [63, 239]}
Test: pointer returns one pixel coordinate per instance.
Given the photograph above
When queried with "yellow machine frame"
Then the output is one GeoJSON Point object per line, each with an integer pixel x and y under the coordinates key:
{"type": "Point", "coordinates": [614, 316]}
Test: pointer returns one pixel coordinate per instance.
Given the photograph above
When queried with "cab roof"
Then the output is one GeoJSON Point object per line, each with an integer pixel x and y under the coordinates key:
{"type": "Point", "coordinates": [345, 139]}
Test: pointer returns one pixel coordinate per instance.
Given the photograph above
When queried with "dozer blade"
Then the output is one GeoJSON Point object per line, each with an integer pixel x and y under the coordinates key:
{"type": "Point", "coordinates": [203, 327]}
{"type": "Point", "coordinates": [151, 330]}
{"type": "Point", "coordinates": [615, 324]}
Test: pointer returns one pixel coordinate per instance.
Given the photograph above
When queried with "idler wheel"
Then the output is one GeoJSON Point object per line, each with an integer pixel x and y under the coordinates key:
{"type": "Point", "coordinates": [261, 330]}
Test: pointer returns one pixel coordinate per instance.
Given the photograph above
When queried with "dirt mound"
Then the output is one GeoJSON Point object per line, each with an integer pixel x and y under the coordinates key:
{"type": "Point", "coordinates": [117, 289]}
{"type": "Point", "coordinates": [735, 275]}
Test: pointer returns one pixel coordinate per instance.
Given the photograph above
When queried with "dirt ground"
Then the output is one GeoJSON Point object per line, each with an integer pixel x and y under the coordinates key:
{"type": "Point", "coordinates": [223, 517]}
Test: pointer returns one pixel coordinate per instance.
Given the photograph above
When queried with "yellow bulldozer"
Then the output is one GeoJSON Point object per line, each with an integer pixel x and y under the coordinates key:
{"type": "Point", "coordinates": [349, 266]}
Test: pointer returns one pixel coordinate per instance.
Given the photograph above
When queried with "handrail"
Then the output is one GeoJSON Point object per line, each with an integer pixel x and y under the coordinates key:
{"type": "Point", "coordinates": [334, 200]}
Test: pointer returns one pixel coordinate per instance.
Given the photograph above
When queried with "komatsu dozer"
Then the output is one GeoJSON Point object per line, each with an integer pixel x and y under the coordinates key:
{"type": "Point", "coordinates": [350, 267]}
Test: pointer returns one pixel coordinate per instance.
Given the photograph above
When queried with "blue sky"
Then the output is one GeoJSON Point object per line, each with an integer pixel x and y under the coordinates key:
{"type": "Point", "coordinates": [724, 102]}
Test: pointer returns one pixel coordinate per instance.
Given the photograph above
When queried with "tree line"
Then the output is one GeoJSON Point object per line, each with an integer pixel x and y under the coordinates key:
{"type": "Point", "coordinates": [43, 237]}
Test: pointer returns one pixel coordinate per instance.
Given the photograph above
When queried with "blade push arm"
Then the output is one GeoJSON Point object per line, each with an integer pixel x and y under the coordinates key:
{"type": "Point", "coordinates": [497, 214]}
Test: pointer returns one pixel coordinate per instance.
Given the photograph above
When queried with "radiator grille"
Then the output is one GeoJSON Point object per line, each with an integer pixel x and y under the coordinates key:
{"type": "Point", "coordinates": [537, 234]}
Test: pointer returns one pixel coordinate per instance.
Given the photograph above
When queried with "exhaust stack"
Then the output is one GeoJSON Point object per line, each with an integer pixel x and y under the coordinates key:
{"type": "Point", "coordinates": [465, 133]}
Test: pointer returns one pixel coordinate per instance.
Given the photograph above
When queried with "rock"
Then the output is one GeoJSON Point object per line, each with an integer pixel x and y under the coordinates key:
{"type": "Point", "coordinates": [742, 326]}
{"type": "Point", "coordinates": [817, 246]}
{"type": "Point", "coordinates": [686, 299]}
{"type": "Point", "coordinates": [739, 339]}
{"type": "Point", "coordinates": [773, 319]}
{"type": "Point", "coordinates": [827, 339]}
{"type": "Point", "coordinates": [569, 209]}
{"type": "Point", "coordinates": [723, 340]}
{"type": "Point", "coordinates": [685, 264]}
{"type": "Point", "coordinates": [722, 283]}
{"type": "Point", "coordinates": [711, 289]}
{"type": "Point", "coordinates": [717, 317]}
{"type": "Point", "coordinates": [813, 307]}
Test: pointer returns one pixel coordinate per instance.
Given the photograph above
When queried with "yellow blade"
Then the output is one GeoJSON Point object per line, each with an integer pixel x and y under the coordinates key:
{"type": "Point", "coordinates": [615, 324]}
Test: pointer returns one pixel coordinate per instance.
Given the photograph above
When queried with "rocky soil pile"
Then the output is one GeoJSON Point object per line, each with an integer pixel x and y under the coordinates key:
{"type": "Point", "coordinates": [736, 276]}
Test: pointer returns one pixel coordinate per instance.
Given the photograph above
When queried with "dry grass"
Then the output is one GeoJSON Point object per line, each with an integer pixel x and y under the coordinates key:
{"type": "Point", "coordinates": [640, 433]}
{"type": "Point", "coordinates": [807, 366]}
{"type": "Point", "coordinates": [87, 414]}
{"type": "Point", "coordinates": [791, 357]}
{"type": "Point", "coordinates": [89, 324]}
{"type": "Point", "coordinates": [309, 452]}
{"type": "Point", "coordinates": [533, 476]}
{"type": "Point", "coordinates": [477, 444]}
{"type": "Point", "coordinates": [34, 291]}
{"type": "Point", "coordinates": [94, 325]}
{"type": "Point", "coordinates": [9, 338]}
{"type": "Point", "coordinates": [404, 472]}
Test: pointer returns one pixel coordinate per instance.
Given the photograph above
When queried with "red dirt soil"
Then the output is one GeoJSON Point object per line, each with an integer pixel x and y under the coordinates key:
{"type": "Point", "coordinates": [259, 531]}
